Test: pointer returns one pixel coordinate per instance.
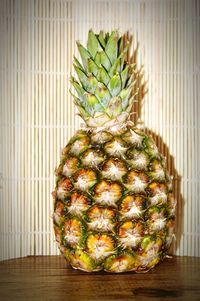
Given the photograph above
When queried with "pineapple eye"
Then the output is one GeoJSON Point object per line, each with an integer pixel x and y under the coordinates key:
{"type": "Point", "coordinates": [138, 159]}
{"type": "Point", "coordinates": [97, 212]}
{"type": "Point", "coordinates": [64, 187]}
{"type": "Point", "coordinates": [133, 138]}
{"type": "Point", "coordinates": [137, 181]}
{"type": "Point", "coordinates": [92, 157]}
{"type": "Point", "coordinates": [158, 199]}
{"type": "Point", "coordinates": [100, 245]}
{"type": "Point", "coordinates": [133, 206]}
{"type": "Point", "coordinates": [149, 254]}
{"type": "Point", "coordinates": [130, 234]}
{"type": "Point", "coordinates": [116, 147]}
{"type": "Point", "coordinates": [114, 169]}
{"type": "Point", "coordinates": [151, 147]}
{"type": "Point", "coordinates": [79, 145]}
{"type": "Point", "coordinates": [85, 179]}
{"type": "Point", "coordinates": [155, 188]}
{"type": "Point", "coordinates": [70, 166]}
{"type": "Point", "coordinates": [101, 219]}
{"type": "Point", "coordinates": [156, 219]}
{"type": "Point", "coordinates": [77, 204]}
{"type": "Point", "coordinates": [107, 193]}
{"type": "Point", "coordinates": [157, 193]}
{"type": "Point", "coordinates": [120, 263]}
{"type": "Point", "coordinates": [80, 260]}
{"type": "Point", "coordinates": [156, 170]}
{"type": "Point", "coordinates": [72, 231]}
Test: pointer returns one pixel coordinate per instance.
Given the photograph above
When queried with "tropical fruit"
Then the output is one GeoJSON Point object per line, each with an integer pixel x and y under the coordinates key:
{"type": "Point", "coordinates": [113, 204]}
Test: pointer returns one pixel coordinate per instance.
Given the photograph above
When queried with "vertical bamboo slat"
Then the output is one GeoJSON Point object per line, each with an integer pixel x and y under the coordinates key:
{"type": "Point", "coordinates": [37, 115]}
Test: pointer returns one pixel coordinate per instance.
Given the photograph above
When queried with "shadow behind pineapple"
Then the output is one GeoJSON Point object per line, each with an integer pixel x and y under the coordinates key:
{"type": "Point", "coordinates": [113, 204]}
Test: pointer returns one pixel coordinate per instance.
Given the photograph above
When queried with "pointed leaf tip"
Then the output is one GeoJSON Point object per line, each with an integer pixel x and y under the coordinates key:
{"type": "Point", "coordinates": [115, 85]}
{"type": "Point", "coordinates": [111, 48]}
{"type": "Point", "coordinates": [102, 39]}
{"type": "Point", "coordinates": [93, 44]}
{"type": "Point", "coordinates": [85, 55]}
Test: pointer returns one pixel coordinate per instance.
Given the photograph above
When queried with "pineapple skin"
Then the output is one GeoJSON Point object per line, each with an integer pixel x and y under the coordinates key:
{"type": "Point", "coordinates": [113, 203]}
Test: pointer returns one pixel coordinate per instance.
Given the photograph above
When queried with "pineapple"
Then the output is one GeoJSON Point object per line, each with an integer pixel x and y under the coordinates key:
{"type": "Point", "coordinates": [113, 204]}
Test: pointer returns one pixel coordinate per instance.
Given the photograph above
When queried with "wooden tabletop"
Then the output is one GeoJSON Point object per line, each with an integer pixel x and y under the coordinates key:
{"type": "Point", "coordinates": [49, 278]}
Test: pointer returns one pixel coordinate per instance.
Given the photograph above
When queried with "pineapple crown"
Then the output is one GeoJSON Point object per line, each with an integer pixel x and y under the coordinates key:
{"type": "Point", "coordinates": [105, 80]}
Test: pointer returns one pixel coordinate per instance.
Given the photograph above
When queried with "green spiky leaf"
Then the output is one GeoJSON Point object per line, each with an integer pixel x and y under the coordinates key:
{"type": "Point", "coordinates": [92, 67]}
{"type": "Point", "coordinates": [125, 96]}
{"type": "Point", "coordinates": [115, 68]}
{"type": "Point", "coordinates": [93, 83]}
{"type": "Point", "coordinates": [78, 64]}
{"type": "Point", "coordinates": [101, 39]}
{"type": "Point", "coordinates": [93, 104]}
{"type": "Point", "coordinates": [80, 91]}
{"type": "Point", "coordinates": [102, 59]}
{"type": "Point", "coordinates": [102, 93]}
{"type": "Point", "coordinates": [115, 85]}
{"type": "Point", "coordinates": [114, 108]}
{"type": "Point", "coordinates": [124, 75]}
{"type": "Point", "coordinates": [102, 76]}
{"type": "Point", "coordinates": [83, 79]}
{"type": "Point", "coordinates": [118, 64]}
{"type": "Point", "coordinates": [81, 110]}
{"type": "Point", "coordinates": [85, 55]}
{"type": "Point", "coordinates": [111, 48]}
{"type": "Point", "coordinates": [93, 44]}
{"type": "Point", "coordinates": [105, 79]}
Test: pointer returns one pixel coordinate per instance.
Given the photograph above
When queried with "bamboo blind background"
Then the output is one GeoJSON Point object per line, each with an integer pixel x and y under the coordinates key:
{"type": "Point", "coordinates": [37, 41]}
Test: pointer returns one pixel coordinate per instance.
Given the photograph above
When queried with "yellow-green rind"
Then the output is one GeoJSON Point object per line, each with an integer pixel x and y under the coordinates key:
{"type": "Point", "coordinates": [110, 207]}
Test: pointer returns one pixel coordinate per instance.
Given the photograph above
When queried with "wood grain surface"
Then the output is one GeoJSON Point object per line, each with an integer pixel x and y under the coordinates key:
{"type": "Point", "coordinates": [50, 278]}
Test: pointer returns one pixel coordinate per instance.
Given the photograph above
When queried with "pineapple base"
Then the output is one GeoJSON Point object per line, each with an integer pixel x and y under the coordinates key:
{"type": "Point", "coordinates": [113, 204]}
